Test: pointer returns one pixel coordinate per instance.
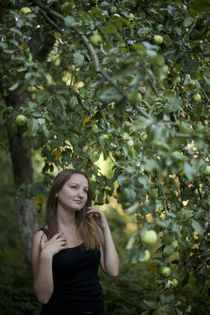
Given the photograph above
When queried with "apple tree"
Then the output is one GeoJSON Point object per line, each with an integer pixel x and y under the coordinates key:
{"type": "Point", "coordinates": [129, 80]}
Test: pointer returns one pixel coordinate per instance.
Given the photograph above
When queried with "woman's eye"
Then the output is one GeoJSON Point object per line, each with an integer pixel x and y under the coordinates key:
{"type": "Point", "coordinates": [86, 191]}
{"type": "Point", "coordinates": [74, 187]}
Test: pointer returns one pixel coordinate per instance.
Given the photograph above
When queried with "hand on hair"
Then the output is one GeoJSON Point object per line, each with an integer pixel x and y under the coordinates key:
{"type": "Point", "coordinates": [54, 245]}
{"type": "Point", "coordinates": [98, 215]}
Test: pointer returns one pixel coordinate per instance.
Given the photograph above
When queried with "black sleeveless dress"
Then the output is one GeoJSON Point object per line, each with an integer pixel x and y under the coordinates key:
{"type": "Point", "coordinates": [77, 289]}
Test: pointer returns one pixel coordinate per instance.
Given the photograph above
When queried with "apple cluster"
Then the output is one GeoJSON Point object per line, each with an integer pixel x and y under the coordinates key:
{"type": "Point", "coordinates": [149, 237]}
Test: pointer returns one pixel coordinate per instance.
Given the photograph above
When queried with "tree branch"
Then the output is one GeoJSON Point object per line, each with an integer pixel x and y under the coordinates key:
{"type": "Point", "coordinates": [51, 21]}
{"type": "Point", "coordinates": [153, 87]}
{"type": "Point", "coordinates": [143, 113]}
{"type": "Point", "coordinates": [51, 11]}
{"type": "Point", "coordinates": [164, 198]}
{"type": "Point", "coordinates": [206, 96]}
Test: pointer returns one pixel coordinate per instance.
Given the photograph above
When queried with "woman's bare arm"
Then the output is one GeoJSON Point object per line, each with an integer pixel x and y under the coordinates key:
{"type": "Point", "coordinates": [42, 256]}
{"type": "Point", "coordinates": [109, 255]}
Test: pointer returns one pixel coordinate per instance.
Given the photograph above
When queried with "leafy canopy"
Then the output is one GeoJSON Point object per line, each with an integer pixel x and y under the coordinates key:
{"type": "Point", "coordinates": [136, 92]}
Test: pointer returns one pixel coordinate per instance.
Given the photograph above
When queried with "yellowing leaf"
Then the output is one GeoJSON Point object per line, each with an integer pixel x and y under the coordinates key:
{"type": "Point", "coordinates": [152, 268]}
{"type": "Point", "coordinates": [38, 201]}
{"type": "Point", "coordinates": [86, 119]}
{"type": "Point", "coordinates": [57, 35]}
{"type": "Point", "coordinates": [149, 218]}
{"type": "Point", "coordinates": [57, 153]}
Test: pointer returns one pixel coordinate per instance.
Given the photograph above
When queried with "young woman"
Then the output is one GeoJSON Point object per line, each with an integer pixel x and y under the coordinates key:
{"type": "Point", "coordinates": [66, 253]}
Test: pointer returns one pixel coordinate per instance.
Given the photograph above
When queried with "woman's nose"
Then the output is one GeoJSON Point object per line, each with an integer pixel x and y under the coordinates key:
{"type": "Point", "coordinates": [81, 193]}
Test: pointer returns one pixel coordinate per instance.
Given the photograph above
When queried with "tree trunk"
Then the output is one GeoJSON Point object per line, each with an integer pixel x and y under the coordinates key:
{"type": "Point", "coordinates": [23, 175]}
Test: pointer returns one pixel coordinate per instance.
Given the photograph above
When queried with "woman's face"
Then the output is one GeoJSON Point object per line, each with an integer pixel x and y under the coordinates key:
{"type": "Point", "coordinates": [74, 193]}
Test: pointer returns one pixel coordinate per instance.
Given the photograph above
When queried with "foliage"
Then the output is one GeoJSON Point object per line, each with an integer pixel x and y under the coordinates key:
{"type": "Point", "coordinates": [129, 97]}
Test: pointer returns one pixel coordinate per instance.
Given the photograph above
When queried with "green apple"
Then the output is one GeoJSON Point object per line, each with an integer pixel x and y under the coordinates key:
{"type": "Point", "coordinates": [175, 244]}
{"type": "Point", "coordinates": [118, 154]}
{"type": "Point", "coordinates": [149, 237]}
{"type": "Point", "coordinates": [192, 82]}
{"type": "Point", "coordinates": [21, 120]}
{"type": "Point", "coordinates": [158, 39]}
{"type": "Point", "coordinates": [166, 271]}
{"type": "Point", "coordinates": [25, 10]}
{"type": "Point", "coordinates": [160, 27]}
{"type": "Point", "coordinates": [146, 255]}
{"type": "Point", "coordinates": [174, 283]}
{"type": "Point", "coordinates": [94, 127]}
{"type": "Point", "coordinates": [134, 97]}
{"type": "Point", "coordinates": [207, 170]}
{"type": "Point", "coordinates": [176, 80]}
{"type": "Point", "coordinates": [197, 97]}
{"type": "Point", "coordinates": [96, 39]}
{"type": "Point", "coordinates": [169, 284]}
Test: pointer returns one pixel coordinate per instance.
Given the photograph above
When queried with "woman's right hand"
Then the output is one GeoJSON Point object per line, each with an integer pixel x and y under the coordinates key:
{"type": "Point", "coordinates": [54, 245]}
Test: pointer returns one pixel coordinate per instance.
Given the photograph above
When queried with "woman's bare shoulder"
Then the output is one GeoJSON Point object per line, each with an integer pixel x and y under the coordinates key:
{"type": "Point", "coordinates": [38, 236]}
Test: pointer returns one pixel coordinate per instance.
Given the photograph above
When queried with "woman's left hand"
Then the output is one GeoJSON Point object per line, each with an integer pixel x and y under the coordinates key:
{"type": "Point", "coordinates": [99, 216]}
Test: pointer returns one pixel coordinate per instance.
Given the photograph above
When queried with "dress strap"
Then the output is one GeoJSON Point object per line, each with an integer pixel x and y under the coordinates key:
{"type": "Point", "coordinates": [46, 232]}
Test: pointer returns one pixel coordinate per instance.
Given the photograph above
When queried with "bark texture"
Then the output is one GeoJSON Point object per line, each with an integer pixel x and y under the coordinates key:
{"type": "Point", "coordinates": [23, 175]}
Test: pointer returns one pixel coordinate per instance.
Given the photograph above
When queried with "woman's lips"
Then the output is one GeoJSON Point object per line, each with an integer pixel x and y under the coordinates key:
{"type": "Point", "coordinates": [78, 201]}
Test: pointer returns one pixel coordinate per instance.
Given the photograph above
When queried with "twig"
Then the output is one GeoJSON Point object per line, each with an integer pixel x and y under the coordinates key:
{"type": "Point", "coordinates": [186, 136]}
{"type": "Point", "coordinates": [93, 53]}
{"type": "Point", "coordinates": [153, 87]}
{"type": "Point", "coordinates": [143, 113]}
{"type": "Point", "coordinates": [51, 21]}
{"type": "Point", "coordinates": [164, 198]}
{"type": "Point", "coordinates": [204, 92]}
{"type": "Point", "coordinates": [51, 11]}
{"type": "Point", "coordinates": [199, 192]}
{"type": "Point", "coordinates": [89, 46]}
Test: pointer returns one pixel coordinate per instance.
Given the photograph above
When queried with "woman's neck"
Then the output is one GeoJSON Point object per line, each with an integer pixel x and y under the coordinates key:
{"type": "Point", "coordinates": [66, 218]}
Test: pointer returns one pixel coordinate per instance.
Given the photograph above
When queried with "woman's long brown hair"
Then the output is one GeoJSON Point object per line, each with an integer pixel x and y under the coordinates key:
{"type": "Point", "coordinates": [86, 226]}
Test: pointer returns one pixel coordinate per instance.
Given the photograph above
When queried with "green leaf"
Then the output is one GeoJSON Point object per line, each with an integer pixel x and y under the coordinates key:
{"type": "Point", "coordinates": [70, 21]}
{"type": "Point", "coordinates": [150, 303]}
{"type": "Point", "coordinates": [149, 164]}
{"type": "Point", "coordinates": [33, 127]}
{"type": "Point", "coordinates": [45, 131]}
{"type": "Point", "coordinates": [164, 224]}
{"type": "Point", "coordinates": [41, 97]}
{"type": "Point", "coordinates": [197, 227]}
{"type": "Point", "coordinates": [73, 102]}
{"type": "Point", "coordinates": [110, 94]}
{"type": "Point", "coordinates": [169, 94]}
{"type": "Point", "coordinates": [132, 209]}
{"type": "Point", "coordinates": [141, 123]}
{"type": "Point", "coordinates": [188, 21]}
{"type": "Point", "coordinates": [16, 31]}
{"type": "Point", "coordinates": [121, 179]}
{"type": "Point", "coordinates": [189, 171]}
{"type": "Point", "coordinates": [176, 228]}
{"type": "Point", "coordinates": [200, 5]}
{"type": "Point", "coordinates": [129, 194]}
{"type": "Point", "coordinates": [3, 45]}
{"type": "Point", "coordinates": [78, 59]}
{"type": "Point", "coordinates": [144, 181]}
{"type": "Point", "coordinates": [48, 78]}
{"type": "Point", "coordinates": [14, 87]}
{"type": "Point", "coordinates": [168, 250]}
{"type": "Point", "coordinates": [131, 241]}
{"type": "Point", "coordinates": [192, 65]}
